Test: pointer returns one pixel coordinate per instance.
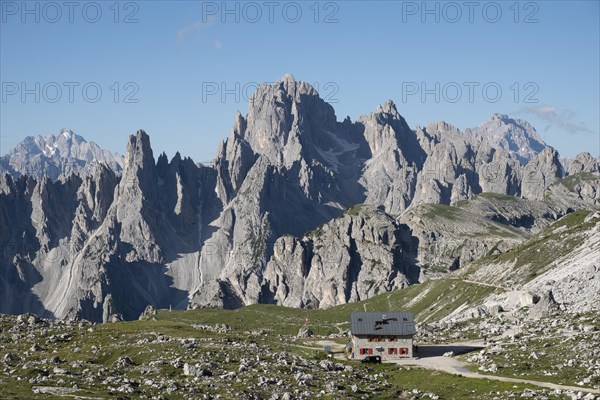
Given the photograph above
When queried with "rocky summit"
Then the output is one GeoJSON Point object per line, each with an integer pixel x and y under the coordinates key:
{"type": "Point", "coordinates": [297, 209]}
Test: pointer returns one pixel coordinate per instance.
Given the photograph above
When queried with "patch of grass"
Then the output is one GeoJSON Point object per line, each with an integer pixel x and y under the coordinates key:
{"type": "Point", "coordinates": [571, 220]}
{"type": "Point", "coordinates": [448, 386]}
{"type": "Point", "coordinates": [441, 211]}
{"type": "Point", "coordinates": [355, 209]}
{"type": "Point", "coordinates": [98, 347]}
{"type": "Point", "coordinates": [504, 231]}
{"type": "Point", "coordinates": [436, 299]}
{"type": "Point", "coordinates": [447, 295]}
{"type": "Point", "coordinates": [317, 232]}
{"type": "Point", "coordinates": [573, 180]}
{"type": "Point", "coordinates": [496, 196]}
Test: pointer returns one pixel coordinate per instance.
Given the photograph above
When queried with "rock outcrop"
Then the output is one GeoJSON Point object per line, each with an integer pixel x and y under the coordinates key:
{"type": "Point", "coordinates": [449, 237]}
{"type": "Point", "coordinates": [359, 254]}
{"type": "Point", "coordinates": [545, 307]}
{"type": "Point", "coordinates": [542, 171]}
{"type": "Point", "coordinates": [583, 162]}
{"type": "Point", "coordinates": [575, 192]}
{"type": "Point", "coordinates": [390, 174]}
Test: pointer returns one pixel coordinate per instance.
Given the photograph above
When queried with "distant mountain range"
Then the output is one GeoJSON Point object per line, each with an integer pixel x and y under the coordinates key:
{"type": "Point", "coordinates": [297, 209]}
{"type": "Point", "coordinates": [54, 156]}
{"type": "Point", "coordinates": [513, 135]}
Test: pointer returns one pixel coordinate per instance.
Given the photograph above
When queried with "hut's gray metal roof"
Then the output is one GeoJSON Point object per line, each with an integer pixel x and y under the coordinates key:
{"type": "Point", "coordinates": [382, 323]}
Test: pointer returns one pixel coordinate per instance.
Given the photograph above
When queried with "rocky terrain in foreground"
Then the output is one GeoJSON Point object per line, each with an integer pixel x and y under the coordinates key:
{"type": "Point", "coordinates": [560, 349]}
{"type": "Point", "coordinates": [173, 355]}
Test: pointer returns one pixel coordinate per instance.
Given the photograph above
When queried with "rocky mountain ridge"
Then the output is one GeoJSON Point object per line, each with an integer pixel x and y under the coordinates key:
{"type": "Point", "coordinates": [266, 222]}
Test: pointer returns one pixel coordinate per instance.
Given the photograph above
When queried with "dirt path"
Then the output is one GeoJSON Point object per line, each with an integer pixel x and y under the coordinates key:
{"type": "Point", "coordinates": [341, 330]}
{"type": "Point", "coordinates": [337, 348]}
{"type": "Point", "coordinates": [458, 278]}
{"type": "Point", "coordinates": [432, 358]}
{"type": "Point", "coordinates": [481, 283]}
{"type": "Point", "coordinates": [453, 366]}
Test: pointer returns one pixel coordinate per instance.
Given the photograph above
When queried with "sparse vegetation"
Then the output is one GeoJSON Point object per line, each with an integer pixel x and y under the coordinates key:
{"type": "Point", "coordinates": [573, 180]}
{"type": "Point", "coordinates": [536, 255]}
{"type": "Point", "coordinates": [561, 349]}
{"type": "Point", "coordinates": [251, 356]}
{"type": "Point", "coordinates": [355, 209]}
{"type": "Point", "coordinates": [441, 211]}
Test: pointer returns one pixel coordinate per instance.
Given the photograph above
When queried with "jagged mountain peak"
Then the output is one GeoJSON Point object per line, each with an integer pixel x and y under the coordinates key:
{"type": "Point", "coordinates": [161, 157]}
{"type": "Point", "coordinates": [140, 169]}
{"type": "Point", "coordinates": [296, 88]}
{"type": "Point", "coordinates": [65, 135]}
{"type": "Point", "coordinates": [239, 126]}
{"type": "Point", "coordinates": [285, 89]}
{"type": "Point", "coordinates": [288, 77]}
{"type": "Point", "coordinates": [498, 116]}
{"type": "Point", "coordinates": [514, 135]}
{"type": "Point", "coordinates": [139, 151]}
{"type": "Point", "coordinates": [441, 127]}
{"type": "Point", "coordinates": [286, 118]}
{"type": "Point", "coordinates": [388, 108]}
{"type": "Point", "coordinates": [69, 134]}
{"type": "Point", "coordinates": [500, 119]}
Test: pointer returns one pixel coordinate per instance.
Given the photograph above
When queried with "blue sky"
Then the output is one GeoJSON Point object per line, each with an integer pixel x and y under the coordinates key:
{"type": "Point", "coordinates": [543, 57]}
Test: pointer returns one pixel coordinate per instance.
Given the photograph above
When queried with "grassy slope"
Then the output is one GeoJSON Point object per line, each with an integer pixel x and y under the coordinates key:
{"type": "Point", "coordinates": [435, 300]}
{"type": "Point", "coordinates": [535, 256]}
{"type": "Point", "coordinates": [460, 214]}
